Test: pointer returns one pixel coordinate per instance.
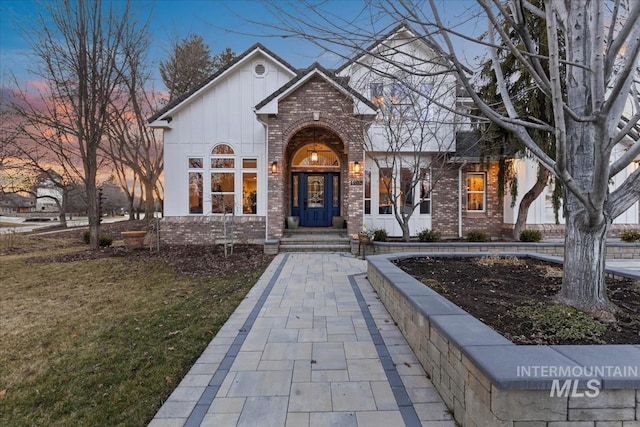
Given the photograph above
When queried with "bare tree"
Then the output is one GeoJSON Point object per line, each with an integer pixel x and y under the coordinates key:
{"type": "Point", "coordinates": [411, 136]}
{"type": "Point", "coordinates": [132, 144]}
{"type": "Point", "coordinates": [602, 49]}
{"type": "Point", "coordinates": [78, 49]}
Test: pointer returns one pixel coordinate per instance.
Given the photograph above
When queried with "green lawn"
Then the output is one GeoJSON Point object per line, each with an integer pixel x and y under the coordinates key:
{"type": "Point", "coordinates": [101, 341]}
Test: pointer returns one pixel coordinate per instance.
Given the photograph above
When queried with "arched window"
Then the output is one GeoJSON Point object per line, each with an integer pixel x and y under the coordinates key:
{"type": "Point", "coordinates": [223, 179]}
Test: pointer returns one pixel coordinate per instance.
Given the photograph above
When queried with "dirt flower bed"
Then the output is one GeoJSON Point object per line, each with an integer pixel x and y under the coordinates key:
{"type": "Point", "coordinates": [515, 297]}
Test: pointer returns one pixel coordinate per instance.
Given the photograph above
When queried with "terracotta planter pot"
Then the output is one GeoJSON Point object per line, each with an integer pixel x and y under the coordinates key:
{"type": "Point", "coordinates": [133, 239]}
{"type": "Point", "coordinates": [364, 238]}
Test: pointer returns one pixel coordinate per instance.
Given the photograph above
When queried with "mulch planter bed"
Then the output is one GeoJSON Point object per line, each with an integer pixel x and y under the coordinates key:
{"type": "Point", "coordinates": [499, 292]}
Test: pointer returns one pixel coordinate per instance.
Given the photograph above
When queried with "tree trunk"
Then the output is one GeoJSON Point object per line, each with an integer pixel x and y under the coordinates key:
{"type": "Point", "coordinates": [583, 285]}
{"type": "Point", "coordinates": [528, 199]}
{"type": "Point", "coordinates": [406, 235]}
{"type": "Point", "coordinates": [149, 202]}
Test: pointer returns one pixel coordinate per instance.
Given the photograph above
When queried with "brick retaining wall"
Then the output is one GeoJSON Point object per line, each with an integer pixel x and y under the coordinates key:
{"type": "Point", "coordinates": [208, 230]}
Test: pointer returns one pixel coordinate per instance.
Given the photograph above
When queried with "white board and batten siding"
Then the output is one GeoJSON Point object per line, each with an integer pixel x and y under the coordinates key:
{"type": "Point", "coordinates": [222, 112]}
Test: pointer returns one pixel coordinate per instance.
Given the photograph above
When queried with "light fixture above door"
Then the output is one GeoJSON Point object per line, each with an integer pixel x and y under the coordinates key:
{"type": "Point", "coordinates": [314, 153]}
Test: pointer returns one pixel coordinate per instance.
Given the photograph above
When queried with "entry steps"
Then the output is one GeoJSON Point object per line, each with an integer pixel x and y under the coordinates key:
{"type": "Point", "coordinates": [312, 239]}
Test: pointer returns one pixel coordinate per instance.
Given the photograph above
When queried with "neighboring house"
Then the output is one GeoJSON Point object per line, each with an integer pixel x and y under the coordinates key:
{"type": "Point", "coordinates": [11, 204]}
{"type": "Point", "coordinates": [260, 141]}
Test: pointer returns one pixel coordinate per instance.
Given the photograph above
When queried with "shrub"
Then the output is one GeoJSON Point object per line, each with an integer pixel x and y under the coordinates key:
{"type": "Point", "coordinates": [477, 236]}
{"type": "Point", "coordinates": [530, 236]}
{"type": "Point", "coordinates": [380, 235]}
{"type": "Point", "coordinates": [427, 235]}
{"type": "Point", "coordinates": [103, 240]}
{"type": "Point", "coordinates": [630, 236]}
{"type": "Point", "coordinates": [556, 323]}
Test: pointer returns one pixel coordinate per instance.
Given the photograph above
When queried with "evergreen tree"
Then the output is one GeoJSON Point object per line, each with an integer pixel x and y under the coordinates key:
{"type": "Point", "coordinates": [189, 64]}
{"type": "Point", "coordinates": [529, 102]}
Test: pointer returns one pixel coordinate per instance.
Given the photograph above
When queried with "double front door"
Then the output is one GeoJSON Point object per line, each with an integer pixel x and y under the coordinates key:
{"type": "Point", "coordinates": [315, 198]}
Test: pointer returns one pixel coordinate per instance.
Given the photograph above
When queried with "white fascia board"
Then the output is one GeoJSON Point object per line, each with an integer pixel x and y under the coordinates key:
{"type": "Point", "coordinates": [358, 106]}
{"type": "Point", "coordinates": [160, 124]}
{"type": "Point", "coordinates": [230, 70]}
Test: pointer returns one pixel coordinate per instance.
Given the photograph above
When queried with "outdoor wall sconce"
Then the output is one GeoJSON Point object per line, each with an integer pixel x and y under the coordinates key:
{"type": "Point", "coordinates": [274, 167]}
{"type": "Point", "coordinates": [356, 167]}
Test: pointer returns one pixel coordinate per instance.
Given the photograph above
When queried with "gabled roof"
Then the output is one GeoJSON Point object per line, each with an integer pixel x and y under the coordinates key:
{"type": "Point", "coordinates": [384, 39]}
{"type": "Point", "coordinates": [340, 83]}
{"type": "Point", "coordinates": [258, 47]}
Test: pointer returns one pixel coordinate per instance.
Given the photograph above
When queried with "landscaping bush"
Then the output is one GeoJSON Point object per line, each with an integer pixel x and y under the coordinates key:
{"type": "Point", "coordinates": [477, 236]}
{"type": "Point", "coordinates": [530, 236]}
{"type": "Point", "coordinates": [380, 235]}
{"type": "Point", "coordinates": [630, 236]}
{"type": "Point", "coordinates": [103, 241]}
{"type": "Point", "coordinates": [427, 235]}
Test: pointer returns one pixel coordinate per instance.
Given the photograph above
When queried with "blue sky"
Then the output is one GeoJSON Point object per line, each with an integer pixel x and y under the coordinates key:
{"type": "Point", "coordinates": [221, 23]}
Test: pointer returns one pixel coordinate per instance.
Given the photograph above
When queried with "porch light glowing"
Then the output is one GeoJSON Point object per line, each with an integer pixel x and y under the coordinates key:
{"type": "Point", "coordinates": [356, 167]}
{"type": "Point", "coordinates": [314, 155]}
{"type": "Point", "coordinates": [274, 167]}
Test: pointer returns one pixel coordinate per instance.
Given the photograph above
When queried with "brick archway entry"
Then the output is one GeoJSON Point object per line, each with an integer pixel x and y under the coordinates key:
{"type": "Point", "coordinates": [315, 178]}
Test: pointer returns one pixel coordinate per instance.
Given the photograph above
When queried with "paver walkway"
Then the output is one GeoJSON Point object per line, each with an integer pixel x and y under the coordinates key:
{"type": "Point", "coordinates": [311, 345]}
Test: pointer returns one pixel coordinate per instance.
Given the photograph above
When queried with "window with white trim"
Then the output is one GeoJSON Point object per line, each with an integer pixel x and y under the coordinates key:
{"type": "Point", "coordinates": [250, 186]}
{"type": "Point", "coordinates": [476, 191]}
{"type": "Point", "coordinates": [425, 191]}
{"type": "Point", "coordinates": [367, 191]}
{"type": "Point", "coordinates": [223, 176]}
{"type": "Point", "coordinates": [385, 192]}
{"type": "Point", "coordinates": [195, 174]}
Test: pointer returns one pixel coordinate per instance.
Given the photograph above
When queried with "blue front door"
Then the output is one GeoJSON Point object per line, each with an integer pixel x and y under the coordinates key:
{"type": "Point", "coordinates": [315, 198]}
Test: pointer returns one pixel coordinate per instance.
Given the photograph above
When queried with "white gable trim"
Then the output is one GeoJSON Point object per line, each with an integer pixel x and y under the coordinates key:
{"type": "Point", "coordinates": [272, 106]}
{"type": "Point", "coordinates": [162, 120]}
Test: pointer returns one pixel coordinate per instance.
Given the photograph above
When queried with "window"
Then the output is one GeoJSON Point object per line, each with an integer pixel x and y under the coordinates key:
{"type": "Point", "coordinates": [195, 192]}
{"type": "Point", "coordinates": [385, 192]}
{"type": "Point", "coordinates": [406, 190]}
{"type": "Point", "coordinates": [222, 179]}
{"type": "Point", "coordinates": [377, 98]}
{"type": "Point", "coordinates": [400, 98]}
{"type": "Point", "coordinates": [425, 191]}
{"type": "Point", "coordinates": [249, 186]}
{"type": "Point", "coordinates": [222, 192]}
{"type": "Point", "coordinates": [367, 191]}
{"type": "Point", "coordinates": [195, 185]}
{"type": "Point", "coordinates": [424, 101]}
{"type": "Point", "coordinates": [195, 163]}
{"type": "Point", "coordinates": [476, 189]}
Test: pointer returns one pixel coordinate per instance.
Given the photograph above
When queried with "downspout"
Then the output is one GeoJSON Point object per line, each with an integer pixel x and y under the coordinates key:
{"type": "Point", "coordinates": [464, 163]}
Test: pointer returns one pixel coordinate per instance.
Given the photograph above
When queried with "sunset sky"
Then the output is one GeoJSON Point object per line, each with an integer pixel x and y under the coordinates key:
{"type": "Point", "coordinates": [221, 23]}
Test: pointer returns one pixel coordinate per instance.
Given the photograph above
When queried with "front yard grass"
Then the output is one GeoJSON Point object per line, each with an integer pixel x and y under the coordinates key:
{"type": "Point", "coordinates": [102, 340]}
